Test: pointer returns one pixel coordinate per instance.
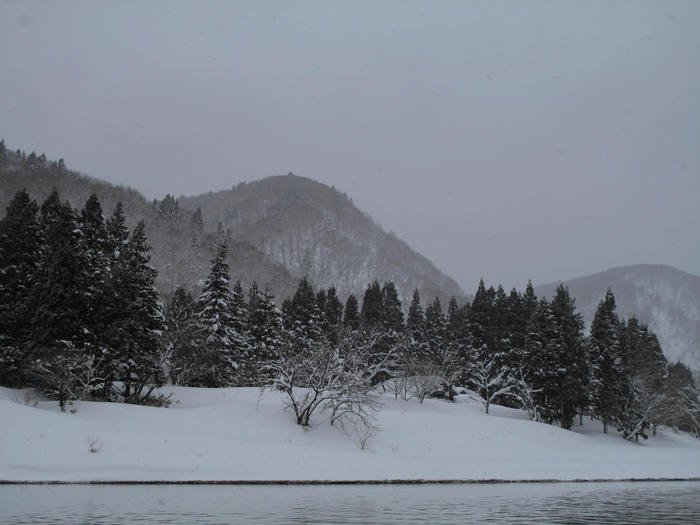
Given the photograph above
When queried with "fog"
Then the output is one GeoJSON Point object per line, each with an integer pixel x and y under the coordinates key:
{"type": "Point", "coordinates": [509, 140]}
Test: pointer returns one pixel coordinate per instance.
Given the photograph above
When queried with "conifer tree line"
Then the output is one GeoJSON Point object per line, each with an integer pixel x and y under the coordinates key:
{"type": "Point", "coordinates": [80, 316]}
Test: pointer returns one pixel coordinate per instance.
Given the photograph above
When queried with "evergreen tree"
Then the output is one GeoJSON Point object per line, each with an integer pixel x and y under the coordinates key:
{"type": "Point", "coordinates": [481, 319]}
{"type": "Point", "coordinates": [322, 304]}
{"type": "Point", "coordinates": [304, 317]}
{"type": "Point", "coordinates": [543, 361]}
{"type": "Point", "coordinates": [645, 369]}
{"type": "Point", "coordinates": [98, 278]}
{"type": "Point", "coordinates": [136, 331]}
{"type": "Point", "coordinates": [435, 331]}
{"type": "Point", "coordinates": [351, 318]}
{"type": "Point", "coordinates": [574, 370]}
{"type": "Point", "coordinates": [415, 322]}
{"type": "Point", "coordinates": [219, 345]}
{"type": "Point", "coordinates": [265, 325]}
{"type": "Point", "coordinates": [59, 302]}
{"type": "Point", "coordinates": [392, 315]}
{"type": "Point", "coordinates": [239, 310]}
{"type": "Point", "coordinates": [529, 303]}
{"type": "Point", "coordinates": [607, 372]}
{"type": "Point", "coordinates": [334, 308]}
{"type": "Point", "coordinates": [372, 306]}
{"type": "Point", "coordinates": [117, 232]}
{"type": "Point", "coordinates": [20, 251]}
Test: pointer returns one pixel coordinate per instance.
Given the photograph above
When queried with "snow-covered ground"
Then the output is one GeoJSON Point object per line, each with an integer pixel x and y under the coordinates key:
{"type": "Point", "coordinates": [226, 434]}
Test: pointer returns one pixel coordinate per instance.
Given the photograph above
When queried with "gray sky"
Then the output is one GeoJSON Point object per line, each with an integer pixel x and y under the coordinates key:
{"type": "Point", "coordinates": [509, 140]}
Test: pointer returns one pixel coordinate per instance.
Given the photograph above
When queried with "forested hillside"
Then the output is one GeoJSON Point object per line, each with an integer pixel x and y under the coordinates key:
{"type": "Point", "coordinates": [181, 248]}
{"type": "Point", "coordinates": [663, 297]}
{"type": "Point", "coordinates": [316, 231]}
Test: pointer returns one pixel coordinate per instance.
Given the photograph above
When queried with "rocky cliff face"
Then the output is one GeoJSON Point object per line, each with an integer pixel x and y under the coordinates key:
{"type": "Point", "coordinates": [314, 230]}
{"type": "Point", "coordinates": [666, 299]}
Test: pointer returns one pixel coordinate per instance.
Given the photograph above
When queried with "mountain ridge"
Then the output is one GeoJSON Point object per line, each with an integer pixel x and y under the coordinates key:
{"type": "Point", "coordinates": [315, 230]}
{"type": "Point", "coordinates": [661, 296]}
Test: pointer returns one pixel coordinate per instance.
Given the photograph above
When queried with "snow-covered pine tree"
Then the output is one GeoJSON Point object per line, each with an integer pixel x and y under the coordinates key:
{"type": "Point", "coordinates": [265, 327]}
{"type": "Point", "coordinates": [304, 318]}
{"type": "Point", "coordinates": [372, 306]}
{"type": "Point", "coordinates": [573, 391]}
{"type": "Point", "coordinates": [415, 322]}
{"type": "Point", "coordinates": [481, 319]}
{"type": "Point", "coordinates": [59, 302]}
{"type": "Point", "coordinates": [542, 361]}
{"type": "Point", "coordinates": [435, 331]}
{"type": "Point", "coordinates": [218, 343]}
{"type": "Point", "coordinates": [392, 315]}
{"type": "Point", "coordinates": [334, 308]}
{"type": "Point", "coordinates": [20, 251]}
{"type": "Point", "coordinates": [117, 240]}
{"type": "Point", "coordinates": [136, 332]}
{"type": "Point", "coordinates": [321, 304]}
{"type": "Point", "coordinates": [529, 303]}
{"type": "Point", "coordinates": [99, 283]}
{"type": "Point", "coordinates": [645, 368]}
{"type": "Point", "coordinates": [351, 316]}
{"type": "Point", "coordinates": [607, 371]}
{"type": "Point", "coordinates": [117, 232]}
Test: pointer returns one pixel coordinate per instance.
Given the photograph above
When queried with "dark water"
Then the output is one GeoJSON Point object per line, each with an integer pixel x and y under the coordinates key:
{"type": "Point", "coordinates": [629, 503]}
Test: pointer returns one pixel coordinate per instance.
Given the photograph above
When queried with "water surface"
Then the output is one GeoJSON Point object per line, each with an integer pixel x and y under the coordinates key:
{"type": "Point", "coordinates": [614, 503]}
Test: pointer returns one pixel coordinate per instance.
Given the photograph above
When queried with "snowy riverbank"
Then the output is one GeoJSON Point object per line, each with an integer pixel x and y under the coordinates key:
{"type": "Point", "coordinates": [226, 434]}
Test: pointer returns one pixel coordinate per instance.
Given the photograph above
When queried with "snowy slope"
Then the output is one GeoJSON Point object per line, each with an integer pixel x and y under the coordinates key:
{"type": "Point", "coordinates": [228, 434]}
{"type": "Point", "coordinates": [666, 299]}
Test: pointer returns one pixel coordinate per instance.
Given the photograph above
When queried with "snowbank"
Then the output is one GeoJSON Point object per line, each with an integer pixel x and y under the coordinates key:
{"type": "Point", "coordinates": [231, 434]}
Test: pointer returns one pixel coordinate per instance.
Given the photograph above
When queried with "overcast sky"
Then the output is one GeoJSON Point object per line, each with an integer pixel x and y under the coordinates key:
{"type": "Point", "coordinates": [509, 140]}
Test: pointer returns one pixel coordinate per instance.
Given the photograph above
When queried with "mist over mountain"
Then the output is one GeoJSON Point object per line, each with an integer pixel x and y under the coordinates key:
{"type": "Point", "coordinates": [314, 230]}
{"type": "Point", "coordinates": [181, 250]}
{"type": "Point", "coordinates": [666, 299]}
{"type": "Point", "coordinates": [278, 229]}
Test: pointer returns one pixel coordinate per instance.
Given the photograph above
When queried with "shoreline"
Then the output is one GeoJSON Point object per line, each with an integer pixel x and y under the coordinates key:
{"type": "Point", "coordinates": [317, 482]}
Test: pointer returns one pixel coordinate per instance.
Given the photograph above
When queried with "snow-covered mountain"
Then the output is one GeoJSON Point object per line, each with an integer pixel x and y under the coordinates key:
{"type": "Point", "coordinates": [666, 299]}
{"type": "Point", "coordinates": [314, 230]}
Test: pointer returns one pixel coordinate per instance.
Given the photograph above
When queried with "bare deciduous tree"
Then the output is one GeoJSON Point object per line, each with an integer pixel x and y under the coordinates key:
{"type": "Point", "coordinates": [489, 380]}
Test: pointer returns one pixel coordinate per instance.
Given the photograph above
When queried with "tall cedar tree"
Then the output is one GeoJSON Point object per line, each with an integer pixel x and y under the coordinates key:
{"type": "Point", "coordinates": [372, 306]}
{"type": "Point", "coordinates": [59, 302]}
{"type": "Point", "coordinates": [392, 315]}
{"type": "Point", "coordinates": [265, 329]}
{"type": "Point", "coordinates": [435, 332]}
{"type": "Point", "coordinates": [218, 343]}
{"type": "Point", "coordinates": [415, 322]}
{"type": "Point", "coordinates": [334, 308]}
{"type": "Point", "coordinates": [543, 363]}
{"type": "Point", "coordinates": [575, 371]}
{"type": "Point", "coordinates": [136, 334]}
{"type": "Point", "coordinates": [304, 318]}
{"type": "Point", "coordinates": [351, 316]}
{"type": "Point", "coordinates": [607, 372]}
{"type": "Point", "coordinates": [20, 252]}
{"type": "Point", "coordinates": [98, 273]}
{"type": "Point", "coordinates": [481, 320]}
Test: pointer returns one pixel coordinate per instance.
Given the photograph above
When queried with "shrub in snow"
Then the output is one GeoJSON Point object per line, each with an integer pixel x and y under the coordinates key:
{"type": "Point", "coordinates": [317, 375]}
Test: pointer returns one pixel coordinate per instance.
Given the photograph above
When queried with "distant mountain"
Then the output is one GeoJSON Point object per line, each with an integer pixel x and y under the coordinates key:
{"type": "Point", "coordinates": [316, 231]}
{"type": "Point", "coordinates": [181, 250]}
{"type": "Point", "coordinates": [666, 299]}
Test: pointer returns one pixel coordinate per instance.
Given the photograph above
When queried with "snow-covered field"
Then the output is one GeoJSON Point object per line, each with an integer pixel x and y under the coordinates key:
{"type": "Point", "coordinates": [226, 434]}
